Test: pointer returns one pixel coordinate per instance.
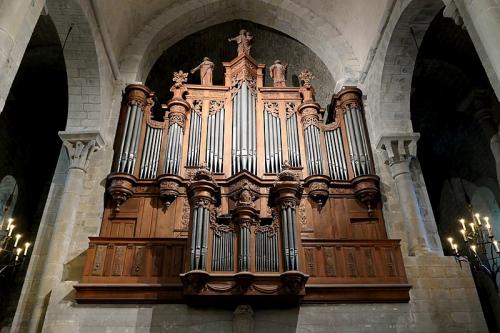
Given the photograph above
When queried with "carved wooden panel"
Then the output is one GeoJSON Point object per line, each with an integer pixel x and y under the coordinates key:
{"type": "Point", "coordinates": [100, 257]}
{"type": "Point", "coordinates": [118, 260]}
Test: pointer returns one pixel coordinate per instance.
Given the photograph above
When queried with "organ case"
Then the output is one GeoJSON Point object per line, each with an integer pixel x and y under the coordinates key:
{"type": "Point", "coordinates": [242, 194]}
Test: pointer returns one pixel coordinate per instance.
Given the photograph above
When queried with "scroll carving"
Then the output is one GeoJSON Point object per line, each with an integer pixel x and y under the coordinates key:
{"type": "Point", "coordinates": [290, 109]}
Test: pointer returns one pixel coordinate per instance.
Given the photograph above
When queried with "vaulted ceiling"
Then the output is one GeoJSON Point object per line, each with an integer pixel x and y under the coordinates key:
{"type": "Point", "coordinates": [339, 30]}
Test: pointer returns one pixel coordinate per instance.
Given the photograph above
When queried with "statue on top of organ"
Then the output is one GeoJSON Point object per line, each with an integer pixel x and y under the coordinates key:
{"type": "Point", "coordinates": [242, 194]}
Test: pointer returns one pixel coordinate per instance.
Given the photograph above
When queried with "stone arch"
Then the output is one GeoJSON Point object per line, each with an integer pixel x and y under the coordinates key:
{"type": "Point", "coordinates": [82, 66]}
{"type": "Point", "coordinates": [399, 63]}
{"type": "Point", "coordinates": [169, 27]}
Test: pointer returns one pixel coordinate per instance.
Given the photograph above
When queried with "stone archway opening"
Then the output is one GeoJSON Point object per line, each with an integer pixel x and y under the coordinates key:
{"type": "Point", "coordinates": [35, 110]}
{"type": "Point", "coordinates": [454, 108]}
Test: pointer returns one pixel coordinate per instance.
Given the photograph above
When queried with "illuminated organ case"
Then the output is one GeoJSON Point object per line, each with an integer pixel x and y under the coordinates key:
{"type": "Point", "coordinates": [242, 194]}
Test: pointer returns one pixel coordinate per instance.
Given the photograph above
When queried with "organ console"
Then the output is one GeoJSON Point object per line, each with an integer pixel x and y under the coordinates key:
{"type": "Point", "coordinates": [242, 194]}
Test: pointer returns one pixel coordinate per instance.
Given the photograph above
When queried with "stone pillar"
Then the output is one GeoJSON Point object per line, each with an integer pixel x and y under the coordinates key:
{"type": "Point", "coordinates": [398, 152]}
{"type": "Point", "coordinates": [79, 146]}
{"type": "Point", "coordinates": [482, 20]}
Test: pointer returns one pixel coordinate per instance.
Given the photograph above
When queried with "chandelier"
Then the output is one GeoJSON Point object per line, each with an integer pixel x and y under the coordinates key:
{"type": "Point", "coordinates": [479, 246]}
{"type": "Point", "coordinates": [12, 251]}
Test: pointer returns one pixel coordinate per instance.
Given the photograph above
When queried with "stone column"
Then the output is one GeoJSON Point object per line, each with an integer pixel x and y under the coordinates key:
{"type": "Point", "coordinates": [79, 146]}
{"type": "Point", "coordinates": [398, 152]}
{"type": "Point", "coordinates": [482, 20]}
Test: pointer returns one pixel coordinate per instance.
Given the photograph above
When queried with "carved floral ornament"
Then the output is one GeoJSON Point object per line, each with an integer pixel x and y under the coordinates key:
{"type": "Point", "coordinates": [271, 108]}
{"type": "Point", "coordinates": [215, 106]}
{"type": "Point", "coordinates": [197, 106]}
{"type": "Point", "coordinates": [290, 109]}
{"type": "Point", "coordinates": [176, 118]}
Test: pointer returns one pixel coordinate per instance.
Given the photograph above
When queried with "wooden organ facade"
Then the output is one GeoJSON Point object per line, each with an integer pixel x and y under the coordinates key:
{"type": "Point", "coordinates": [241, 194]}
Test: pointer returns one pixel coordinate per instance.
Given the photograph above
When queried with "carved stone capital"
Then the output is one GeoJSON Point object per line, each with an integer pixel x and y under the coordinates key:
{"type": "Point", "coordinates": [80, 145]}
{"type": "Point", "coordinates": [398, 148]}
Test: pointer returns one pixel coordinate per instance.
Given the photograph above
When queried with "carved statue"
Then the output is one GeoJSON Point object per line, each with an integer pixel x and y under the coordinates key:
{"type": "Point", "coordinates": [243, 40]}
{"type": "Point", "coordinates": [278, 73]}
{"type": "Point", "coordinates": [206, 68]}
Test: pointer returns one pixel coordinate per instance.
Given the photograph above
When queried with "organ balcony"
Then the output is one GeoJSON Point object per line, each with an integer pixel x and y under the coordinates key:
{"type": "Point", "coordinates": [242, 194]}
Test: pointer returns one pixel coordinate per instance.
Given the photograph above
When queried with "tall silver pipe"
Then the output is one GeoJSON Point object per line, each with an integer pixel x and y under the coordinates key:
{"type": "Point", "coordinates": [198, 140]}
{"type": "Point", "coordinates": [175, 148]}
{"type": "Point", "coordinates": [194, 220]}
{"type": "Point", "coordinates": [204, 239]}
{"type": "Point", "coordinates": [359, 142]}
{"type": "Point", "coordinates": [334, 155]}
{"type": "Point", "coordinates": [234, 135]}
{"type": "Point", "coordinates": [331, 159]}
{"type": "Point", "coordinates": [244, 126]}
{"type": "Point", "coordinates": [170, 144]}
{"type": "Point", "coordinates": [216, 142]}
{"type": "Point", "coordinates": [221, 139]}
{"type": "Point", "coordinates": [280, 148]}
{"type": "Point", "coordinates": [286, 249]}
{"type": "Point", "coordinates": [135, 142]}
{"type": "Point", "coordinates": [310, 158]}
{"type": "Point", "coordinates": [294, 237]}
{"type": "Point", "coordinates": [128, 137]}
{"type": "Point", "coordinates": [273, 144]}
{"type": "Point", "coordinates": [352, 146]}
{"type": "Point", "coordinates": [209, 142]}
{"type": "Point", "coordinates": [145, 154]}
{"type": "Point", "coordinates": [152, 152]}
{"type": "Point", "coordinates": [254, 129]}
{"type": "Point", "coordinates": [266, 140]}
{"type": "Point", "coordinates": [366, 149]}
{"type": "Point", "coordinates": [340, 149]}
{"type": "Point", "coordinates": [125, 130]}
{"type": "Point", "coordinates": [317, 146]}
{"type": "Point", "coordinates": [355, 142]}
{"type": "Point", "coordinates": [295, 130]}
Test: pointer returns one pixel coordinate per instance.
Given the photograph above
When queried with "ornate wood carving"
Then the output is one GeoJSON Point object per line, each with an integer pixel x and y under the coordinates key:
{"type": "Point", "coordinates": [325, 233]}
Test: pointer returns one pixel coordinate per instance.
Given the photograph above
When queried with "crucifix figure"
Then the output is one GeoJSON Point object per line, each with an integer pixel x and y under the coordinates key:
{"type": "Point", "coordinates": [206, 68]}
{"type": "Point", "coordinates": [243, 40]}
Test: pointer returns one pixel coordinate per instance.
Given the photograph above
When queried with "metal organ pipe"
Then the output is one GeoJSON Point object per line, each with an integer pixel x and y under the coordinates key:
{"type": "Point", "coordinates": [244, 137]}
{"type": "Point", "coordinates": [292, 140]}
{"type": "Point", "coordinates": [194, 139]}
{"type": "Point", "coordinates": [130, 142]}
{"type": "Point", "coordinates": [215, 138]}
{"type": "Point", "coordinates": [358, 143]}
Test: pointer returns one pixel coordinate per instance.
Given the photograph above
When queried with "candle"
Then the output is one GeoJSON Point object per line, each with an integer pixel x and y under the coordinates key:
{"type": "Point", "coordinates": [18, 237]}
{"type": "Point", "coordinates": [463, 223]}
{"type": "Point", "coordinates": [472, 227]}
{"type": "Point", "coordinates": [478, 218]}
{"type": "Point", "coordinates": [495, 242]}
{"type": "Point", "coordinates": [473, 248]}
{"type": "Point", "coordinates": [451, 241]}
{"type": "Point", "coordinates": [11, 229]}
{"type": "Point", "coordinates": [463, 234]}
{"type": "Point", "coordinates": [10, 220]}
{"type": "Point", "coordinates": [26, 247]}
{"type": "Point", "coordinates": [488, 227]}
{"type": "Point", "coordinates": [18, 252]}
{"type": "Point", "coordinates": [455, 247]}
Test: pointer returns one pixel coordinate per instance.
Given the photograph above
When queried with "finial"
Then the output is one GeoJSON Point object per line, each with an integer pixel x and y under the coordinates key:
{"type": "Point", "coordinates": [306, 76]}
{"type": "Point", "coordinates": [179, 78]}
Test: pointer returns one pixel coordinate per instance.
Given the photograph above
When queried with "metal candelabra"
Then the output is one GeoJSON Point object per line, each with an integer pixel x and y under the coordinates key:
{"type": "Point", "coordinates": [12, 253]}
{"type": "Point", "coordinates": [480, 248]}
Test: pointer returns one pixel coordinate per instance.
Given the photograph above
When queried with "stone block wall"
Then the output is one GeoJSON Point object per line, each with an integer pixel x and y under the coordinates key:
{"type": "Point", "coordinates": [443, 299]}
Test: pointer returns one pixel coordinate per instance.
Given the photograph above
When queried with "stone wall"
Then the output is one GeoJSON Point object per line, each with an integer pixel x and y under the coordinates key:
{"type": "Point", "coordinates": [443, 299]}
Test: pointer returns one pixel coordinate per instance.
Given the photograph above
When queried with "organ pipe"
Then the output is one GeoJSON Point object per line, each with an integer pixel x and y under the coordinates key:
{"type": "Point", "coordinates": [194, 135]}
{"type": "Point", "coordinates": [244, 148]}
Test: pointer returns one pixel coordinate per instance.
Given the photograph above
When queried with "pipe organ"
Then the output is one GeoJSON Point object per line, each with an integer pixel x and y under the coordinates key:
{"type": "Point", "coordinates": [242, 194]}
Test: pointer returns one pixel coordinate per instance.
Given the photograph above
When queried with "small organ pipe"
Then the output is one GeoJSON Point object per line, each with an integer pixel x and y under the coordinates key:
{"type": "Point", "coordinates": [125, 131]}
